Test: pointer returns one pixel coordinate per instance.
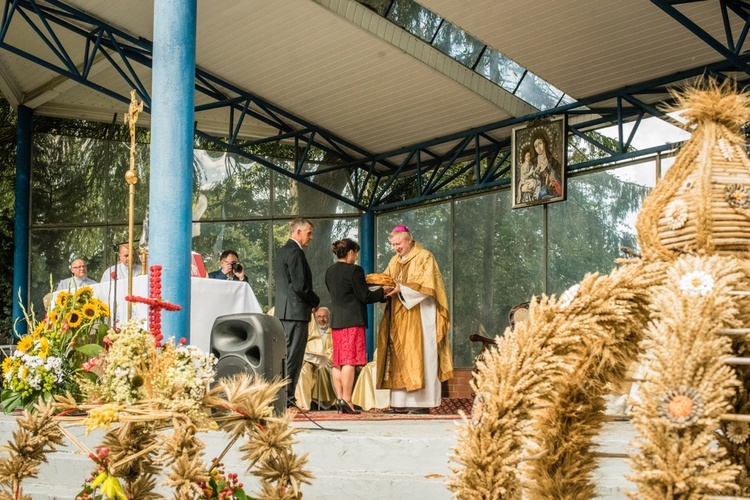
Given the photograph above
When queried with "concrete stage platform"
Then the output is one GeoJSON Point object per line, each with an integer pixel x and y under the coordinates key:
{"type": "Point", "coordinates": [385, 459]}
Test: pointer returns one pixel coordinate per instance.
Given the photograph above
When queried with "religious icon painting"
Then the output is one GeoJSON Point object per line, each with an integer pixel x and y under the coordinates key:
{"type": "Point", "coordinates": [538, 166]}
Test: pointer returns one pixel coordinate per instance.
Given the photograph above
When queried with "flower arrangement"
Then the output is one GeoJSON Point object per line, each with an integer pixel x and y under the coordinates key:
{"type": "Point", "coordinates": [135, 368]}
{"type": "Point", "coordinates": [46, 361]}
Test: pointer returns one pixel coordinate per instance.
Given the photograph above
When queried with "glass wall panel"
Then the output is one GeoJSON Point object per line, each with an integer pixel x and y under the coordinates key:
{"type": "Point", "coordinates": [499, 263]}
{"type": "Point", "coordinates": [234, 187]}
{"type": "Point", "coordinates": [51, 252]}
{"type": "Point", "coordinates": [292, 198]}
{"type": "Point", "coordinates": [118, 199]}
{"type": "Point", "coordinates": [251, 242]}
{"type": "Point", "coordinates": [586, 231]}
{"type": "Point", "coordinates": [68, 183]}
{"type": "Point", "coordinates": [318, 252]}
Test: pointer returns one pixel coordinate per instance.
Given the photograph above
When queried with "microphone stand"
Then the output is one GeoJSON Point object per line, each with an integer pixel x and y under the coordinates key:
{"type": "Point", "coordinates": [113, 288]}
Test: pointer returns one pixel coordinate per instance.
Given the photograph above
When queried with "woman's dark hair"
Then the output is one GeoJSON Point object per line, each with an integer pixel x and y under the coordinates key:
{"type": "Point", "coordinates": [341, 247]}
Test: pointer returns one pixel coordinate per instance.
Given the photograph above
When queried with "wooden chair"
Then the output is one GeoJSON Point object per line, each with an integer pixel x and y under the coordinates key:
{"type": "Point", "coordinates": [517, 313]}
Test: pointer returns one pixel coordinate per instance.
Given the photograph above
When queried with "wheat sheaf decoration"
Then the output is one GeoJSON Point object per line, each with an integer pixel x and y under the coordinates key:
{"type": "Point", "coordinates": [542, 390]}
{"type": "Point", "coordinates": [540, 393]}
{"type": "Point", "coordinates": [688, 385]}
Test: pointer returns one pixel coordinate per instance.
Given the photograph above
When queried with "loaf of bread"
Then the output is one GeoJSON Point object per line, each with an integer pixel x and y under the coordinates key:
{"type": "Point", "coordinates": [379, 279]}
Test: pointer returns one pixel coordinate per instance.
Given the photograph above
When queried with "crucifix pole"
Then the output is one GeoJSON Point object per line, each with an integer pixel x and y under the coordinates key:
{"type": "Point", "coordinates": [131, 177]}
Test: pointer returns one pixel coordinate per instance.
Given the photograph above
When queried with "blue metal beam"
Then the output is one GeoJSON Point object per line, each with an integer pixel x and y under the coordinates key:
{"type": "Point", "coordinates": [729, 50]}
{"type": "Point", "coordinates": [22, 219]}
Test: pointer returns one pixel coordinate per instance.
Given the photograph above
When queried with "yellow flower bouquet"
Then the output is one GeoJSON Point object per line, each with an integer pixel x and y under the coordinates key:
{"type": "Point", "coordinates": [46, 361]}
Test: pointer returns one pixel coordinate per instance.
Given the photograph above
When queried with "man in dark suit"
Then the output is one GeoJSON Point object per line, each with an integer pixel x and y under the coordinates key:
{"type": "Point", "coordinates": [295, 298]}
{"type": "Point", "coordinates": [231, 268]}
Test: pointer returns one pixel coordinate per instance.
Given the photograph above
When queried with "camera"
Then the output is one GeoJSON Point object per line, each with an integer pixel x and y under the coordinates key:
{"type": "Point", "coordinates": [237, 267]}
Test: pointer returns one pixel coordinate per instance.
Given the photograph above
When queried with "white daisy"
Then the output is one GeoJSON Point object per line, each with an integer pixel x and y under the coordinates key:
{"type": "Point", "coordinates": [676, 214]}
{"type": "Point", "coordinates": [738, 432]}
{"type": "Point", "coordinates": [568, 295]}
{"type": "Point", "coordinates": [696, 283]}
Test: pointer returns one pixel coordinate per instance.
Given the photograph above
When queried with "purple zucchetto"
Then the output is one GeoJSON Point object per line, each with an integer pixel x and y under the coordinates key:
{"type": "Point", "coordinates": [400, 229]}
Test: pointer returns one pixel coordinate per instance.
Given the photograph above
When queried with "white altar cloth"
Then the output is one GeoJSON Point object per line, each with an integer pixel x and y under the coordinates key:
{"type": "Point", "coordinates": [209, 299]}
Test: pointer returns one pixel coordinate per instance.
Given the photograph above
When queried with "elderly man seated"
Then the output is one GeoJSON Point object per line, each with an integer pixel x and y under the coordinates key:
{"type": "Point", "coordinates": [315, 377]}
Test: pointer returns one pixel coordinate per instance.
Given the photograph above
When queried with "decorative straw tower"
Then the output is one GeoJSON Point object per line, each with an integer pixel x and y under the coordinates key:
{"type": "Point", "coordinates": [703, 203]}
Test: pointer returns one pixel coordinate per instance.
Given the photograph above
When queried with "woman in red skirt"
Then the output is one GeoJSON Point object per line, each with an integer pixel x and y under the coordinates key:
{"type": "Point", "coordinates": [349, 298]}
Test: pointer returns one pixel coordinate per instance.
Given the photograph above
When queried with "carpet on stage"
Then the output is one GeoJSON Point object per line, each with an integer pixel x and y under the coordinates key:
{"type": "Point", "coordinates": [448, 409]}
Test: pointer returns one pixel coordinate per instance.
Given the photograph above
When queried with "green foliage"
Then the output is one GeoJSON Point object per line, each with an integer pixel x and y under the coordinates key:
{"type": "Point", "coordinates": [7, 211]}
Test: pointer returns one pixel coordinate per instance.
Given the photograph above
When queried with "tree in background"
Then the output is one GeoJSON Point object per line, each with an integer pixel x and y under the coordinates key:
{"type": "Point", "coordinates": [7, 201]}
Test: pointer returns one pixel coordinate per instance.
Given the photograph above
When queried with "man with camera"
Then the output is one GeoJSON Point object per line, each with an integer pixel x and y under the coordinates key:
{"type": "Point", "coordinates": [231, 268]}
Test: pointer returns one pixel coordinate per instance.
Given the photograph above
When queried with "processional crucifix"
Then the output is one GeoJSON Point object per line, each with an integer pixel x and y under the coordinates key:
{"type": "Point", "coordinates": [131, 177]}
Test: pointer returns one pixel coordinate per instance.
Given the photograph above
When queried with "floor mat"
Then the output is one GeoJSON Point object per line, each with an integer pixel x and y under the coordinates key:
{"type": "Point", "coordinates": [448, 409]}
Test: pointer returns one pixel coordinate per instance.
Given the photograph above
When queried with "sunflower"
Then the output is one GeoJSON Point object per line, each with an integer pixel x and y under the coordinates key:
{"type": "Point", "coordinates": [43, 348]}
{"type": "Point", "coordinates": [103, 309]}
{"type": "Point", "coordinates": [38, 331]}
{"type": "Point", "coordinates": [87, 290]}
{"type": "Point", "coordinates": [52, 317]}
{"type": "Point", "coordinates": [25, 343]}
{"type": "Point", "coordinates": [89, 311]}
{"type": "Point", "coordinates": [7, 365]}
{"type": "Point", "coordinates": [74, 319]}
{"type": "Point", "coordinates": [62, 298]}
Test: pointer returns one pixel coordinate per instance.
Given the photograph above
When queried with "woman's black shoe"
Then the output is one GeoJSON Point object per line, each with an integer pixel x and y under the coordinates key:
{"type": "Point", "coordinates": [340, 403]}
{"type": "Point", "coordinates": [345, 408]}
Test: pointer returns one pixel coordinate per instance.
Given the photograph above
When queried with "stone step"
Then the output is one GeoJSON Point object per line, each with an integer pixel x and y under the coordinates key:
{"type": "Point", "coordinates": [363, 460]}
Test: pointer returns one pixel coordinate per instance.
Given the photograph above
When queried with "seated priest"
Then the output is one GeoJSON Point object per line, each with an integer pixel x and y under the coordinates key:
{"type": "Point", "coordinates": [80, 276]}
{"type": "Point", "coordinates": [366, 395]}
{"type": "Point", "coordinates": [315, 382]}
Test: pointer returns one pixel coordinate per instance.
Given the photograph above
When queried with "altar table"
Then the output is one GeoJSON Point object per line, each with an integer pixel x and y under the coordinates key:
{"type": "Point", "coordinates": [209, 299]}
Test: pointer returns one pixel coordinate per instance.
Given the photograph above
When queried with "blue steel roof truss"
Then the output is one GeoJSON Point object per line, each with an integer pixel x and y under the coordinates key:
{"type": "Point", "coordinates": [479, 158]}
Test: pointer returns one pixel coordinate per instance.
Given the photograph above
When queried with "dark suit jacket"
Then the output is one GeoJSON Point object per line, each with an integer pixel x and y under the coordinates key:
{"type": "Point", "coordinates": [295, 296]}
{"type": "Point", "coordinates": [218, 275]}
{"type": "Point", "coordinates": [349, 295]}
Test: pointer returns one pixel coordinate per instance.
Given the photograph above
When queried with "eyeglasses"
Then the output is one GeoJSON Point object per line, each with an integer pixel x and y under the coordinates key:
{"type": "Point", "coordinates": [79, 267]}
{"type": "Point", "coordinates": [230, 262]}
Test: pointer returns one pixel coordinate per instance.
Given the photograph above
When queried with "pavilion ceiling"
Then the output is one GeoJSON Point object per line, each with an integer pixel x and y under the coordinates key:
{"type": "Point", "coordinates": [337, 75]}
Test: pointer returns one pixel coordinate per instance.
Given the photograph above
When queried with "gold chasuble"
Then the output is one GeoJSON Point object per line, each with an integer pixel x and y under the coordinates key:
{"type": "Point", "coordinates": [400, 345]}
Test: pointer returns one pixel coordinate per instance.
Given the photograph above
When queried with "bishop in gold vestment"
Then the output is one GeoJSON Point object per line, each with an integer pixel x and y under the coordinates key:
{"type": "Point", "coordinates": [413, 350]}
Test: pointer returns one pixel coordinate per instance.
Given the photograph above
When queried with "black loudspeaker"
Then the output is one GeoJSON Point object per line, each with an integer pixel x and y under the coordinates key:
{"type": "Point", "coordinates": [251, 343]}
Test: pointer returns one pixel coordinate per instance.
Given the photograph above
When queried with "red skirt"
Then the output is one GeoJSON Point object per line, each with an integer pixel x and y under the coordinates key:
{"type": "Point", "coordinates": [349, 346]}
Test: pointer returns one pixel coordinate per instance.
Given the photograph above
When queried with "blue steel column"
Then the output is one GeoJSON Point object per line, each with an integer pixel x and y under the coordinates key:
{"type": "Point", "coordinates": [22, 217]}
{"type": "Point", "coordinates": [367, 260]}
{"type": "Point", "coordinates": [171, 181]}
